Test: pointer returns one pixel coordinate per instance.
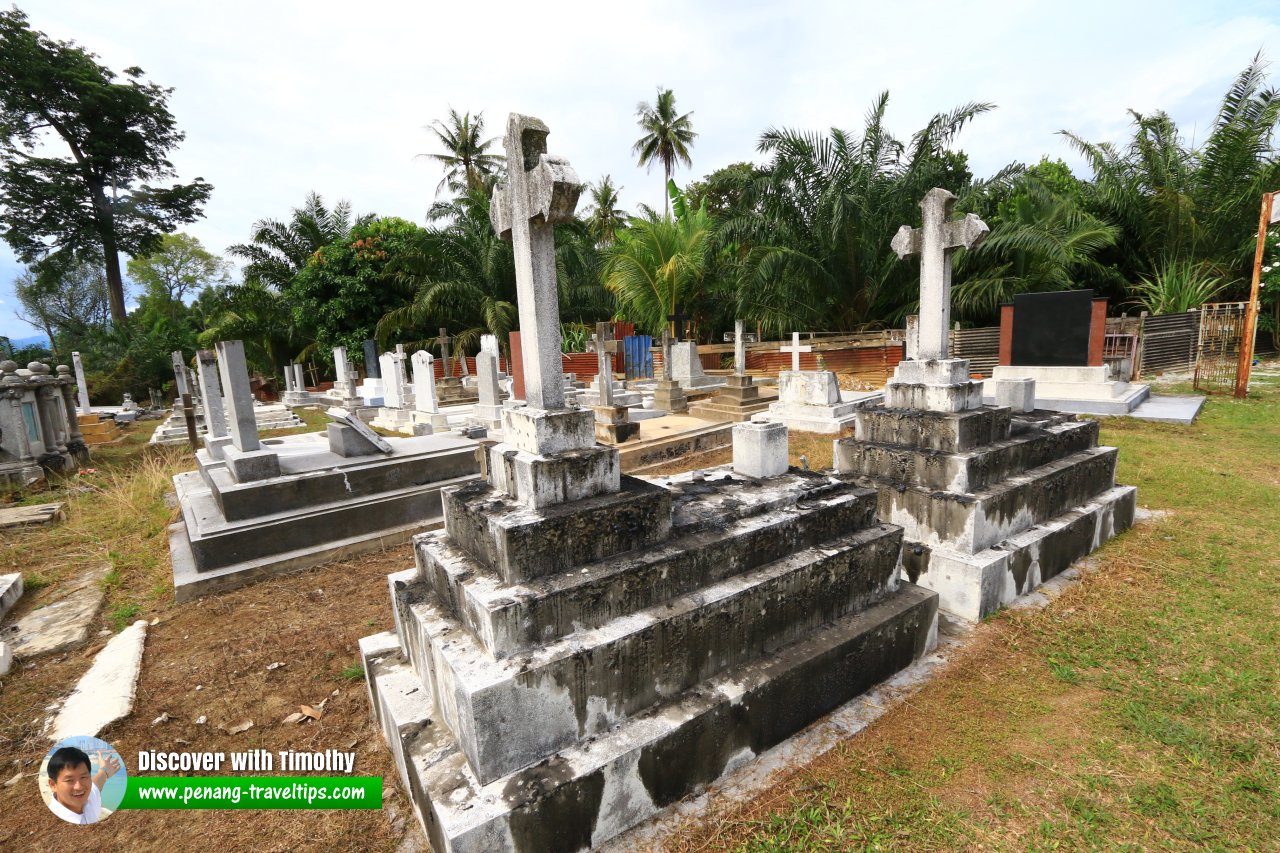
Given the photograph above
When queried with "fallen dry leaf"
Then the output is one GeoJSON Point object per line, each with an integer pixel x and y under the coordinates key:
{"type": "Point", "coordinates": [240, 727]}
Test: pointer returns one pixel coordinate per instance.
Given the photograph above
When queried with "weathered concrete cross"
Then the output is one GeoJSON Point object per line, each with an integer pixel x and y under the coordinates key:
{"type": "Point", "coordinates": [795, 349]}
{"type": "Point", "coordinates": [541, 191]}
{"type": "Point", "coordinates": [666, 354]}
{"type": "Point", "coordinates": [606, 346]}
{"type": "Point", "coordinates": [935, 240]}
{"type": "Point", "coordinates": [443, 341]}
{"type": "Point", "coordinates": [739, 348]}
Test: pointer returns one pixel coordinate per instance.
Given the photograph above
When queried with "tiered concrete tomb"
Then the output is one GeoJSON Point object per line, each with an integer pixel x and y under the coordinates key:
{"type": "Point", "coordinates": [255, 508]}
{"type": "Point", "coordinates": [992, 502]}
{"type": "Point", "coordinates": [578, 648]}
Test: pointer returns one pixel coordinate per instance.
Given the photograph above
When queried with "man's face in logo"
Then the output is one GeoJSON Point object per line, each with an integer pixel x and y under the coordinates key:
{"type": "Point", "coordinates": [72, 787]}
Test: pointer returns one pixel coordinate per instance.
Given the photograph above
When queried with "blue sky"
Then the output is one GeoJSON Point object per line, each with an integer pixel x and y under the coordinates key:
{"type": "Point", "coordinates": [278, 99]}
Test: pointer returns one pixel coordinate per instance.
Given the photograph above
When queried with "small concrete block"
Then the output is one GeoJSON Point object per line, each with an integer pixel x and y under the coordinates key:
{"type": "Point", "coordinates": [960, 397]}
{"type": "Point", "coordinates": [247, 466]}
{"type": "Point", "coordinates": [545, 433]}
{"type": "Point", "coordinates": [10, 591]}
{"type": "Point", "coordinates": [345, 441]}
{"type": "Point", "coordinates": [760, 449]}
{"type": "Point", "coordinates": [6, 658]}
{"type": "Point", "coordinates": [217, 446]}
{"type": "Point", "coordinates": [616, 433]}
{"type": "Point", "coordinates": [1018, 394]}
{"type": "Point", "coordinates": [105, 693]}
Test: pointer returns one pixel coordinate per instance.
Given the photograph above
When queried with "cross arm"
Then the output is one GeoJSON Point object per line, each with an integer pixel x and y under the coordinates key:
{"type": "Point", "coordinates": [967, 232]}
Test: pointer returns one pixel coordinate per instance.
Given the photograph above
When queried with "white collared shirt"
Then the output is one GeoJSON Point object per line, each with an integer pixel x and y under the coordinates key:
{"type": "Point", "coordinates": [92, 808]}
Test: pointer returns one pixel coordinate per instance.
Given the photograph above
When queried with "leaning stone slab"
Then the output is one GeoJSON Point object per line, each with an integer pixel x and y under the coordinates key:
{"type": "Point", "coordinates": [61, 625]}
{"type": "Point", "coordinates": [10, 591]}
{"type": "Point", "coordinates": [6, 658]}
{"type": "Point", "coordinates": [22, 515]}
{"type": "Point", "coordinates": [105, 693]}
{"type": "Point", "coordinates": [342, 416]}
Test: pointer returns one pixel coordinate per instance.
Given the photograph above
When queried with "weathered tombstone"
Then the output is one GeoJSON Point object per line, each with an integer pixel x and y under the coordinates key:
{"type": "Point", "coordinates": [424, 382]}
{"type": "Point", "coordinates": [215, 417]}
{"type": "Point", "coordinates": [391, 369]}
{"type": "Point", "coordinates": [81, 384]}
{"type": "Point", "coordinates": [245, 458]}
{"type": "Point", "coordinates": [934, 381]}
{"type": "Point", "coordinates": [612, 424]}
{"type": "Point", "coordinates": [349, 436]}
{"type": "Point", "coordinates": [179, 374]}
{"type": "Point", "coordinates": [668, 395]}
{"type": "Point", "coordinates": [488, 412]}
{"type": "Point", "coordinates": [371, 360]}
{"type": "Point", "coordinates": [299, 380]}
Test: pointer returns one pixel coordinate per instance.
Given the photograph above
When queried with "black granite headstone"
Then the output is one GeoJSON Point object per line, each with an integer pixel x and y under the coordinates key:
{"type": "Point", "coordinates": [371, 368]}
{"type": "Point", "coordinates": [1052, 329]}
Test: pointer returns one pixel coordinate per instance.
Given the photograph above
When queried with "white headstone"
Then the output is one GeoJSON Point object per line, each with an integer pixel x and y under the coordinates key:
{"type": "Point", "coordinates": [234, 372]}
{"type": "Point", "coordinates": [81, 385]}
{"type": "Point", "coordinates": [424, 382]}
{"type": "Point", "coordinates": [392, 370]}
{"type": "Point", "coordinates": [215, 419]}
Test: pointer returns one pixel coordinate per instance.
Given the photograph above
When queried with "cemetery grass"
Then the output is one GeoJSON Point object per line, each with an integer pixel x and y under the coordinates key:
{"type": "Point", "coordinates": [1139, 710]}
{"type": "Point", "coordinates": [206, 658]}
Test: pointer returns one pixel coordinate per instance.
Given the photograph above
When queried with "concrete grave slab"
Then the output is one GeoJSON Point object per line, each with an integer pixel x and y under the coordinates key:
{"type": "Point", "coordinates": [10, 592]}
{"type": "Point", "coordinates": [63, 624]}
{"type": "Point", "coordinates": [105, 693]}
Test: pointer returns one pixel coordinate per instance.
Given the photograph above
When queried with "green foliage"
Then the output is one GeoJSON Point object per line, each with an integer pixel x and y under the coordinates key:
{"type": "Point", "coordinates": [118, 134]}
{"type": "Point", "coordinates": [667, 136]}
{"type": "Point", "coordinates": [180, 266]}
{"type": "Point", "coordinates": [468, 164]}
{"type": "Point", "coordinates": [280, 250]}
{"type": "Point", "coordinates": [604, 218]}
{"type": "Point", "coordinates": [659, 263]}
{"type": "Point", "coordinates": [1178, 285]}
{"type": "Point", "coordinates": [817, 254]}
{"type": "Point", "coordinates": [726, 192]}
{"type": "Point", "coordinates": [64, 302]}
{"type": "Point", "coordinates": [346, 287]}
{"type": "Point", "coordinates": [1175, 203]}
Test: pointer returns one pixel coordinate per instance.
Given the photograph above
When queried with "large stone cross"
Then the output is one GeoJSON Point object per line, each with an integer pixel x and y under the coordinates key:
{"type": "Point", "coordinates": [934, 241]}
{"type": "Point", "coordinates": [540, 192]}
{"type": "Point", "coordinates": [795, 349]}
{"type": "Point", "coordinates": [666, 354]}
{"type": "Point", "coordinates": [739, 348]}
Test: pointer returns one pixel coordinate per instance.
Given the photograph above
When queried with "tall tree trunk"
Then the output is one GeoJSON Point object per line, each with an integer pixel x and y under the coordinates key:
{"type": "Point", "coordinates": [105, 219]}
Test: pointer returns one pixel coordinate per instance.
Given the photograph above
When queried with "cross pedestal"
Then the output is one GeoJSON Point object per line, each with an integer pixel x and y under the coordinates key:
{"type": "Point", "coordinates": [668, 395]}
{"type": "Point", "coordinates": [548, 454]}
{"type": "Point", "coordinates": [612, 424]}
{"type": "Point", "coordinates": [931, 380]}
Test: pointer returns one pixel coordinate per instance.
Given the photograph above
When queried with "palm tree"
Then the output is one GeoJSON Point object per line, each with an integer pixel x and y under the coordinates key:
{"type": "Point", "coordinates": [816, 254]}
{"type": "Point", "coordinates": [279, 250]}
{"type": "Point", "coordinates": [466, 158]}
{"type": "Point", "coordinates": [1176, 203]}
{"type": "Point", "coordinates": [604, 218]}
{"type": "Point", "coordinates": [667, 136]}
{"type": "Point", "coordinates": [659, 263]}
{"type": "Point", "coordinates": [261, 317]}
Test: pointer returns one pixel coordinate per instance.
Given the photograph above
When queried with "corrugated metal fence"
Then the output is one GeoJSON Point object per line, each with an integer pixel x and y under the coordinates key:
{"type": "Point", "coordinates": [980, 346]}
{"type": "Point", "coordinates": [1169, 341]}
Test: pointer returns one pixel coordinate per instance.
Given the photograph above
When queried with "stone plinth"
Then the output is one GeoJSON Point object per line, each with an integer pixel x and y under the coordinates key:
{"type": "Point", "coordinates": [97, 430]}
{"type": "Point", "coordinates": [669, 396]}
{"type": "Point", "coordinates": [737, 401]}
{"type": "Point", "coordinates": [612, 426]}
{"type": "Point", "coordinates": [992, 503]}
{"type": "Point", "coordinates": [809, 401]}
{"type": "Point", "coordinates": [936, 385]}
{"type": "Point", "coordinates": [1071, 389]}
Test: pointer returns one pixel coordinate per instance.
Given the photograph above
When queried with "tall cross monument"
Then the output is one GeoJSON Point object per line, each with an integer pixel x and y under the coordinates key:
{"type": "Point", "coordinates": [934, 241]}
{"type": "Point", "coordinates": [541, 191]}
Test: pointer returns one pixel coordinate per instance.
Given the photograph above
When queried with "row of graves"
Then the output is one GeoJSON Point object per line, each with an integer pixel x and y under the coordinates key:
{"type": "Point", "coordinates": [577, 648]}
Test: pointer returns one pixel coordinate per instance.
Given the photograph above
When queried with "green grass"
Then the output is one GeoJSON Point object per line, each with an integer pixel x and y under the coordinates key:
{"type": "Point", "coordinates": [352, 672]}
{"type": "Point", "coordinates": [1138, 711]}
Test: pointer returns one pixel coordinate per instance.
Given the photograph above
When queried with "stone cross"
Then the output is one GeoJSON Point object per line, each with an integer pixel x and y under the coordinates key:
{"type": "Point", "coordinates": [371, 360]}
{"type": "Point", "coordinates": [424, 382]}
{"type": "Point", "coordinates": [606, 346]}
{"type": "Point", "coordinates": [666, 354]}
{"type": "Point", "coordinates": [541, 191]}
{"type": "Point", "coordinates": [443, 341]}
{"type": "Point", "coordinates": [935, 241]}
{"type": "Point", "coordinates": [81, 384]}
{"type": "Point", "coordinates": [233, 370]}
{"type": "Point", "coordinates": [179, 374]}
{"type": "Point", "coordinates": [215, 419]}
{"type": "Point", "coordinates": [795, 349]}
{"type": "Point", "coordinates": [739, 348]}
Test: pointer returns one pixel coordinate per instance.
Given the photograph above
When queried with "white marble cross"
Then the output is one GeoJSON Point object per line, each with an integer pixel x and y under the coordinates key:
{"type": "Point", "coordinates": [540, 192]}
{"type": "Point", "coordinates": [795, 349]}
{"type": "Point", "coordinates": [606, 346]}
{"type": "Point", "coordinates": [81, 385]}
{"type": "Point", "coordinates": [935, 240]}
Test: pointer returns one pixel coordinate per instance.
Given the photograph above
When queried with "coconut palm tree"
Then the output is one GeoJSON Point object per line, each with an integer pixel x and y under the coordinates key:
{"type": "Point", "coordinates": [280, 250]}
{"type": "Point", "coordinates": [659, 263]}
{"type": "Point", "coordinates": [815, 246]}
{"type": "Point", "coordinates": [667, 136]}
{"type": "Point", "coordinates": [603, 216]}
{"type": "Point", "coordinates": [466, 158]}
{"type": "Point", "coordinates": [1173, 202]}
